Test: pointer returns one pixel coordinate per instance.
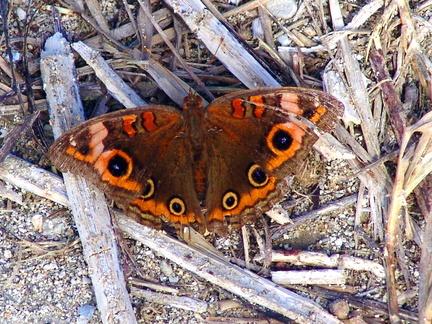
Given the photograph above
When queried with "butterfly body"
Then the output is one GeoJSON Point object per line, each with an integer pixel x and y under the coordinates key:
{"type": "Point", "coordinates": [213, 167]}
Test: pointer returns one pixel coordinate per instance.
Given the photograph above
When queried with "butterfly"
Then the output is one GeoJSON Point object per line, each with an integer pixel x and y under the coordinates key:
{"type": "Point", "coordinates": [214, 167]}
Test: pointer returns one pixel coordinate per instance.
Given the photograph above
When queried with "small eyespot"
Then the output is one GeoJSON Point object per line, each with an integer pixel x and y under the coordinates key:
{"type": "Point", "coordinates": [256, 176]}
{"type": "Point", "coordinates": [118, 166]}
{"type": "Point", "coordinates": [177, 206]}
{"type": "Point", "coordinates": [230, 200]}
{"type": "Point", "coordinates": [281, 140]}
{"type": "Point", "coordinates": [149, 189]}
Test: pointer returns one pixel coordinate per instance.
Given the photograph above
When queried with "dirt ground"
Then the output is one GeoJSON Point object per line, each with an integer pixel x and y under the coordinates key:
{"type": "Point", "coordinates": [364, 203]}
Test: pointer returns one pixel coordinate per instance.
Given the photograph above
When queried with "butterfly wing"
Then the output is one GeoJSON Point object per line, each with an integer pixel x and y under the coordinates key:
{"type": "Point", "coordinates": [254, 141]}
{"type": "Point", "coordinates": [137, 157]}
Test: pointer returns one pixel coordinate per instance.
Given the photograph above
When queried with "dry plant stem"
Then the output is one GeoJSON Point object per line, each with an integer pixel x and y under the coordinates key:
{"type": "Point", "coordinates": [390, 96]}
{"type": "Point", "coordinates": [17, 110]}
{"type": "Point", "coordinates": [173, 86]}
{"type": "Point", "coordinates": [357, 88]}
{"type": "Point", "coordinates": [115, 85]}
{"type": "Point", "coordinates": [222, 44]}
{"type": "Point", "coordinates": [370, 308]}
{"type": "Point", "coordinates": [241, 282]}
{"type": "Point", "coordinates": [356, 85]}
{"type": "Point", "coordinates": [181, 302]}
{"type": "Point", "coordinates": [413, 166]}
{"type": "Point", "coordinates": [173, 49]}
{"type": "Point", "coordinates": [309, 277]}
{"type": "Point", "coordinates": [424, 294]}
{"type": "Point", "coordinates": [322, 260]}
{"type": "Point", "coordinates": [89, 208]}
{"type": "Point", "coordinates": [95, 10]}
{"type": "Point", "coordinates": [342, 203]}
{"type": "Point", "coordinates": [22, 174]}
{"type": "Point", "coordinates": [250, 5]}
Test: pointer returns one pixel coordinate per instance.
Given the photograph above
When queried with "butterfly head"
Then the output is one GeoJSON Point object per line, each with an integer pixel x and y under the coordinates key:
{"type": "Point", "coordinates": [192, 101]}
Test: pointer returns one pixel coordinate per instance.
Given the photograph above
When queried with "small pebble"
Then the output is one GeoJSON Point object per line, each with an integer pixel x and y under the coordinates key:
{"type": "Point", "coordinates": [340, 308]}
{"type": "Point", "coordinates": [284, 9]}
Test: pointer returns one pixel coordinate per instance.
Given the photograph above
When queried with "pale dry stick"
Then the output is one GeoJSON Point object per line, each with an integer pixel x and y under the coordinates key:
{"type": "Point", "coordinates": [322, 260]}
{"type": "Point", "coordinates": [357, 88]}
{"type": "Point", "coordinates": [144, 30]}
{"type": "Point", "coordinates": [10, 195]}
{"type": "Point", "coordinates": [95, 10]}
{"type": "Point", "coordinates": [115, 85]}
{"type": "Point", "coordinates": [5, 66]}
{"type": "Point", "coordinates": [174, 50]}
{"type": "Point", "coordinates": [250, 5]}
{"type": "Point", "coordinates": [356, 22]}
{"type": "Point", "coordinates": [331, 39]}
{"type": "Point", "coordinates": [89, 208]}
{"type": "Point", "coordinates": [408, 175]}
{"type": "Point", "coordinates": [128, 29]}
{"type": "Point", "coordinates": [181, 302]}
{"type": "Point", "coordinates": [308, 216]}
{"type": "Point", "coordinates": [17, 110]}
{"type": "Point", "coordinates": [310, 277]}
{"type": "Point", "coordinates": [74, 6]}
{"type": "Point", "coordinates": [425, 269]}
{"type": "Point", "coordinates": [222, 44]}
{"type": "Point", "coordinates": [243, 283]}
{"type": "Point", "coordinates": [29, 177]}
{"type": "Point", "coordinates": [173, 86]}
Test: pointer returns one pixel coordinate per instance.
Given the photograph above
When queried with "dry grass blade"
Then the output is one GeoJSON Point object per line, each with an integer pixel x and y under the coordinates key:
{"type": "Point", "coordinates": [414, 164]}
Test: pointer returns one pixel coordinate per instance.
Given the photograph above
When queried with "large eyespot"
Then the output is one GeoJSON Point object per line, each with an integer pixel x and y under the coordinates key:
{"type": "Point", "coordinates": [118, 164]}
{"type": "Point", "coordinates": [256, 176]}
{"type": "Point", "coordinates": [149, 189]}
{"type": "Point", "coordinates": [230, 200]}
{"type": "Point", "coordinates": [177, 206]}
{"type": "Point", "coordinates": [281, 140]}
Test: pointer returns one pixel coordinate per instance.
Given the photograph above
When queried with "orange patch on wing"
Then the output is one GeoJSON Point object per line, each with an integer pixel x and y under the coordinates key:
{"type": "Point", "coordinates": [149, 121]}
{"type": "Point", "coordinates": [280, 157]}
{"type": "Point", "coordinates": [259, 108]}
{"type": "Point", "coordinates": [239, 110]}
{"type": "Point", "coordinates": [160, 209]}
{"type": "Point", "coordinates": [318, 114]}
{"type": "Point", "coordinates": [248, 200]}
{"type": "Point", "coordinates": [128, 125]}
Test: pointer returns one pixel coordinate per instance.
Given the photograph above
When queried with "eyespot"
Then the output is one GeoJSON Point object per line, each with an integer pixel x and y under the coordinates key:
{"type": "Point", "coordinates": [149, 189]}
{"type": "Point", "coordinates": [256, 176]}
{"type": "Point", "coordinates": [177, 206]}
{"type": "Point", "coordinates": [230, 200]}
{"type": "Point", "coordinates": [281, 140]}
{"type": "Point", "coordinates": [118, 165]}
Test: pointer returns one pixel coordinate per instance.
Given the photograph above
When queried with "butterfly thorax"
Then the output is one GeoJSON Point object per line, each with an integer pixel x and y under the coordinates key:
{"type": "Point", "coordinates": [192, 106]}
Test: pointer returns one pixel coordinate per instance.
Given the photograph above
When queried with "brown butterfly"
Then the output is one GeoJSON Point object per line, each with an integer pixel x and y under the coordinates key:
{"type": "Point", "coordinates": [212, 167]}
